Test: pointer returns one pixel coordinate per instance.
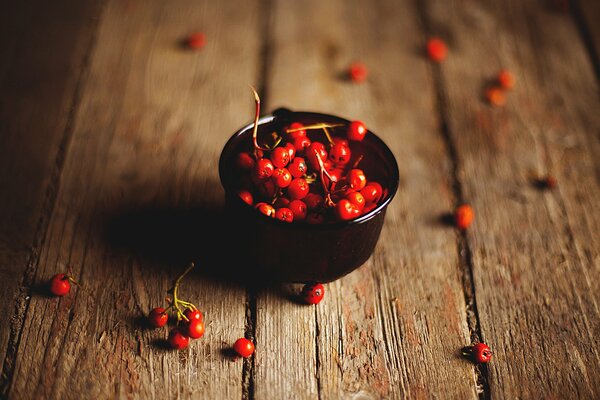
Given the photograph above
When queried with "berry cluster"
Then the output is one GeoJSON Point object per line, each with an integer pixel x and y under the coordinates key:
{"type": "Point", "coordinates": [304, 173]}
{"type": "Point", "coordinates": [190, 321]}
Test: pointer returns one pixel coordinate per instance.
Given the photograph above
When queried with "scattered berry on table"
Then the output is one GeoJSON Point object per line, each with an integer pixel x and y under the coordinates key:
{"type": "Point", "coordinates": [244, 347]}
{"type": "Point", "coordinates": [358, 72]}
{"type": "Point", "coordinates": [192, 315]}
{"type": "Point", "coordinates": [495, 96]}
{"type": "Point", "coordinates": [437, 49]}
{"type": "Point", "coordinates": [549, 182]}
{"type": "Point", "coordinates": [177, 339]}
{"type": "Point", "coordinates": [60, 284]}
{"type": "Point", "coordinates": [196, 40]}
{"type": "Point", "coordinates": [158, 317]}
{"type": "Point", "coordinates": [463, 216]}
{"type": "Point", "coordinates": [313, 293]}
{"type": "Point", "coordinates": [505, 79]}
{"type": "Point", "coordinates": [195, 328]}
{"type": "Point", "coordinates": [481, 353]}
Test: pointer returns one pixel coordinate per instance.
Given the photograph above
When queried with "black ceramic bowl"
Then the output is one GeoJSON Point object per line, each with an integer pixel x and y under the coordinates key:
{"type": "Point", "coordinates": [300, 252]}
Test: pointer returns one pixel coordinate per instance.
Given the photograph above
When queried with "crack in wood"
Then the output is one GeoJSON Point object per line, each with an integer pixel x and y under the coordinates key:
{"type": "Point", "coordinates": [586, 36]}
{"type": "Point", "coordinates": [248, 370]}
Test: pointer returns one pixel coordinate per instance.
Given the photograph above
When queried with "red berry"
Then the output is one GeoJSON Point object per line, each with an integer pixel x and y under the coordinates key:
{"type": "Point", "coordinates": [298, 167]}
{"type": "Point", "coordinates": [196, 41]}
{"type": "Point", "coordinates": [195, 328]}
{"type": "Point", "coordinates": [357, 199]}
{"type": "Point", "coordinates": [356, 131]}
{"type": "Point", "coordinates": [192, 315]}
{"type": "Point", "coordinates": [280, 157]}
{"type": "Point", "coordinates": [244, 347]}
{"type": "Point", "coordinates": [245, 161]}
{"type": "Point", "coordinates": [299, 210]}
{"type": "Point", "coordinates": [177, 339]}
{"type": "Point", "coordinates": [358, 72]}
{"type": "Point", "coordinates": [158, 317]}
{"type": "Point", "coordinates": [291, 150]}
{"type": "Point", "coordinates": [436, 49]}
{"type": "Point", "coordinates": [481, 353]}
{"type": "Point", "coordinates": [284, 214]}
{"type": "Point", "coordinates": [311, 154]}
{"type": "Point", "coordinates": [336, 175]}
{"type": "Point", "coordinates": [313, 293]}
{"type": "Point", "coordinates": [60, 284]}
{"type": "Point", "coordinates": [313, 201]}
{"type": "Point", "coordinates": [266, 209]}
{"type": "Point", "coordinates": [264, 168]}
{"type": "Point", "coordinates": [506, 80]}
{"type": "Point", "coordinates": [282, 177]}
{"type": "Point", "coordinates": [281, 202]}
{"type": "Point", "coordinates": [301, 143]}
{"type": "Point", "coordinates": [372, 192]}
{"type": "Point", "coordinates": [357, 179]}
{"type": "Point", "coordinates": [345, 210]}
{"type": "Point", "coordinates": [298, 189]}
{"type": "Point", "coordinates": [267, 189]}
{"type": "Point", "coordinates": [549, 182]}
{"type": "Point", "coordinates": [296, 134]}
{"type": "Point", "coordinates": [315, 218]}
{"type": "Point", "coordinates": [463, 216]}
{"type": "Point", "coordinates": [340, 154]}
{"type": "Point", "coordinates": [246, 196]}
{"type": "Point", "coordinates": [495, 96]}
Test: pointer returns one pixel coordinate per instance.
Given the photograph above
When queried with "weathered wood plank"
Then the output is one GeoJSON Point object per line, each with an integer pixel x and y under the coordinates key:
{"type": "Point", "coordinates": [139, 183]}
{"type": "Point", "coordinates": [587, 15]}
{"type": "Point", "coordinates": [395, 327]}
{"type": "Point", "coordinates": [535, 253]}
{"type": "Point", "coordinates": [41, 58]}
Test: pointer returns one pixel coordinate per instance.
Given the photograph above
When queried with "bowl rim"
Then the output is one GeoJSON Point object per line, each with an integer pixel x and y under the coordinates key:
{"type": "Point", "coordinates": [328, 225]}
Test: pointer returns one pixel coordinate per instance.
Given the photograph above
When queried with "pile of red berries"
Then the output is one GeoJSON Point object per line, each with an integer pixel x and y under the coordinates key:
{"type": "Point", "coordinates": [304, 173]}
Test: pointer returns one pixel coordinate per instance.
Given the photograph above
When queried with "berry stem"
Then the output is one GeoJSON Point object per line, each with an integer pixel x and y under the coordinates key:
{"type": "Point", "coordinates": [310, 127]}
{"type": "Point", "coordinates": [331, 142]}
{"type": "Point", "coordinates": [176, 301]}
{"type": "Point", "coordinates": [324, 173]}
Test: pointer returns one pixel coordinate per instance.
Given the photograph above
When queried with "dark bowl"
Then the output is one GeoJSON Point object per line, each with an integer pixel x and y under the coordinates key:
{"type": "Point", "coordinates": [300, 252]}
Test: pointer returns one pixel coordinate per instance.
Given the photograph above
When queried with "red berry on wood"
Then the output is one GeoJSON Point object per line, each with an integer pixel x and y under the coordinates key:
{"type": "Point", "coordinates": [358, 72]}
{"type": "Point", "coordinates": [506, 80]}
{"type": "Point", "coordinates": [313, 293]}
{"type": "Point", "coordinates": [192, 315]}
{"type": "Point", "coordinates": [481, 353]}
{"type": "Point", "coordinates": [549, 182]}
{"type": "Point", "coordinates": [158, 317]}
{"type": "Point", "coordinates": [284, 214]}
{"type": "Point", "coordinates": [196, 41]}
{"type": "Point", "coordinates": [244, 347]}
{"type": "Point", "coordinates": [463, 216]}
{"type": "Point", "coordinates": [436, 49]}
{"type": "Point", "coordinates": [60, 284]}
{"type": "Point", "coordinates": [356, 131]}
{"type": "Point", "coordinates": [495, 96]}
{"type": "Point", "coordinates": [195, 328]}
{"type": "Point", "coordinates": [246, 197]}
{"type": "Point", "coordinates": [177, 339]}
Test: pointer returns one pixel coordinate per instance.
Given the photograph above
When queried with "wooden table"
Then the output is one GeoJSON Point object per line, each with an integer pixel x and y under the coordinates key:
{"type": "Point", "coordinates": [108, 124]}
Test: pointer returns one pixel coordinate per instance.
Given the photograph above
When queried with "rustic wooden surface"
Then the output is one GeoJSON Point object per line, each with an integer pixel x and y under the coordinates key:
{"type": "Point", "coordinates": [110, 132]}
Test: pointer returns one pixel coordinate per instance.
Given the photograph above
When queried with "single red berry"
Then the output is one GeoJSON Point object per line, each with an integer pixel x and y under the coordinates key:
{"type": "Point", "coordinates": [282, 177]}
{"type": "Point", "coordinates": [177, 339]}
{"type": "Point", "coordinates": [372, 192]}
{"type": "Point", "coordinates": [357, 179]}
{"type": "Point", "coordinates": [158, 317]}
{"type": "Point", "coordinates": [284, 214]}
{"type": "Point", "coordinates": [299, 210]}
{"type": "Point", "coordinates": [196, 41]}
{"type": "Point", "coordinates": [481, 353]}
{"type": "Point", "coordinates": [291, 150]}
{"type": "Point", "coordinates": [245, 161]}
{"type": "Point", "coordinates": [369, 207]}
{"type": "Point", "coordinates": [549, 182]}
{"type": "Point", "coordinates": [267, 189]}
{"type": "Point", "coordinates": [340, 154]}
{"type": "Point", "coordinates": [246, 197]}
{"type": "Point", "coordinates": [60, 284]}
{"type": "Point", "coordinates": [298, 167]}
{"type": "Point", "coordinates": [266, 209]}
{"type": "Point", "coordinates": [244, 347]}
{"type": "Point", "coordinates": [264, 168]}
{"type": "Point", "coordinates": [315, 218]}
{"type": "Point", "coordinates": [463, 216]}
{"type": "Point", "coordinates": [358, 72]}
{"type": "Point", "coordinates": [313, 201]}
{"type": "Point", "coordinates": [357, 199]}
{"type": "Point", "coordinates": [356, 131]}
{"type": "Point", "coordinates": [346, 210]}
{"type": "Point", "coordinates": [495, 96]}
{"type": "Point", "coordinates": [280, 157]}
{"type": "Point", "coordinates": [336, 176]}
{"type": "Point", "coordinates": [313, 293]}
{"type": "Point", "coordinates": [296, 133]}
{"type": "Point", "coordinates": [298, 189]}
{"type": "Point", "coordinates": [506, 80]}
{"type": "Point", "coordinates": [311, 155]}
{"type": "Point", "coordinates": [436, 49]}
{"type": "Point", "coordinates": [301, 143]}
{"type": "Point", "coordinates": [281, 202]}
{"type": "Point", "coordinates": [192, 315]}
{"type": "Point", "coordinates": [195, 328]}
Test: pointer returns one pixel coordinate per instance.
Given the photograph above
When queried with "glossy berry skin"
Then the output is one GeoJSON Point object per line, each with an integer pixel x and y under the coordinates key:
{"type": "Point", "coordinates": [158, 317]}
{"type": "Point", "coordinates": [298, 133]}
{"type": "Point", "coordinates": [357, 179]}
{"type": "Point", "coordinates": [481, 353]}
{"type": "Point", "coordinates": [195, 329]}
{"type": "Point", "coordinates": [196, 41]}
{"type": "Point", "coordinates": [506, 80]}
{"type": "Point", "coordinates": [313, 201]}
{"type": "Point", "coordinates": [264, 168]}
{"type": "Point", "coordinates": [246, 197]}
{"type": "Point", "coordinates": [358, 72]}
{"type": "Point", "coordinates": [311, 155]}
{"type": "Point", "coordinates": [243, 347]}
{"type": "Point", "coordinates": [345, 210]}
{"type": "Point", "coordinates": [60, 285]}
{"type": "Point", "coordinates": [339, 154]}
{"type": "Point", "coordinates": [313, 293]}
{"type": "Point", "coordinates": [298, 189]}
{"type": "Point", "coordinates": [193, 315]}
{"type": "Point", "coordinates": [495, 96]}
{"type": "Point", "coordinates": [280, 157]}
{"type": "Point", "coordinates": [281, 177]}
{"type": "Point", "coordinates": [291, 150]}
{"type": "Point", "coordinates": [299, 210]}
{"type": "Point", "coordinates": [301, 143]}
{"type": "Point", "coordinates": [356, 131]}
{"type": "Point", "coordinates": [372, 192]}
{"type": "Point", "coordinates": [245, 161]}
{"type": "Point", "coordinates": [463, 216]}
{"type": "Point", "coordinates": [298, 167]}
{"type": "Point", "coordinates": [177, 339]}
{"type": "Point", "coordinates": [284, 214]}
{"type": "Point", "coordinates": [357, 199]}
{"type": "Point", "coordinates": [266, 209]}
{"type": "Point", "coordinates": [436, 49]}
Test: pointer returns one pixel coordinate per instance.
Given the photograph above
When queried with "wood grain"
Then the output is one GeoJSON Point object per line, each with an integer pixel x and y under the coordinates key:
{"type": "Point", "coordinates": [40, 70]}
{"type": "Point", "coordinates": [393, 328]}
{"type": "Point", "coordinates": [139, 183]}
{"type": "Point", "coordinates": [535, 252]}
